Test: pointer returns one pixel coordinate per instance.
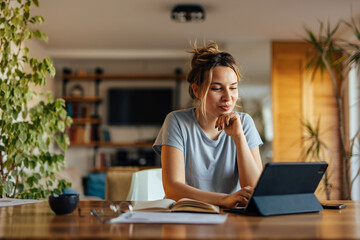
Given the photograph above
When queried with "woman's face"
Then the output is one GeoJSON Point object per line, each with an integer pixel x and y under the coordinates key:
{"type": "Point", "coordinates": [223, 92]}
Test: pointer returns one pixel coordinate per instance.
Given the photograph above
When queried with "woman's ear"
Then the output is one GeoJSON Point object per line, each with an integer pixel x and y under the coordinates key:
{"type": "Point", "coordinates": [195, 89]}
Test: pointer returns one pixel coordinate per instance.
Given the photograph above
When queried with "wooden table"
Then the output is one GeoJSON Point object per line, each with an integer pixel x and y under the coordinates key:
{"type": "Point", "coordinates": [35, 221]}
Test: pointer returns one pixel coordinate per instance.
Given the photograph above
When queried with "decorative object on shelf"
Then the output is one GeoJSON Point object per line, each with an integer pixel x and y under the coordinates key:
{"type": "Point", "coordinates": [99, 70]}
{"type": "Point", "coordinates": [81, 72]}
{"type": "Point", "coordinates": [67, 70]}
{"type": "Point", "coordinates": [188, 13]}
{"type": "Point", "coordinates": [77, 91]}
{"type": "Point", "coordinates": [27, 165]}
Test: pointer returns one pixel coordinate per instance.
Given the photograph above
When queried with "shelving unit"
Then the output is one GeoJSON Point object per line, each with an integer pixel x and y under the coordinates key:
{"type": "Point", "coordinates": [112, 144]}
{"type": "Point", "coordinates": [82, 99]}
{"type": "Point", "coordinates": [95, 100]}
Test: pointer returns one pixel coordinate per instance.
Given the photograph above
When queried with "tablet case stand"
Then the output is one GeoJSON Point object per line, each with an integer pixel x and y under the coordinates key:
{"type": "Point", "coordinates": [283, 204]}
{"type": "Point", "coordinates": [286, 188]}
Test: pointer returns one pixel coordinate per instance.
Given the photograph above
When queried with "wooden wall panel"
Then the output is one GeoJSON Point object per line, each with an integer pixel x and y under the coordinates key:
{"type": "Point", "coordinates": [297, 97]}
{"type": "Point", "coordinates": [287, 105]}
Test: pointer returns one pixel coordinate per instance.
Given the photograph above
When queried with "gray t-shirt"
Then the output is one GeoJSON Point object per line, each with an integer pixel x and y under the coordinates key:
{"type": "Point", "coordinates": [209, 165]}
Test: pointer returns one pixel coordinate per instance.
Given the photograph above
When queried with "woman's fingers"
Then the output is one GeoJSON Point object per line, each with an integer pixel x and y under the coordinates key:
{"type": "Point", "coordinates": [239, 198]}
{"type": "Point", "coordinates": [244, 195]}
{"type": "Point", "coordinates": [225, 120]}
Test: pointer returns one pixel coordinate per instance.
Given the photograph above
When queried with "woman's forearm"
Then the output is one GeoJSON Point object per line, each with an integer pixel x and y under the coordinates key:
{"type": "Point", "coordinates": [249, 162]}
{"type": "Point", "coordinates": [179, 190]}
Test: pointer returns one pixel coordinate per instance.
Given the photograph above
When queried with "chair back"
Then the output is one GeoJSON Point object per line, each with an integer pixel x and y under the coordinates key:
{"type": "Point", "coordinates": [146, 185]}
{"type": "Point", "coordinates": [118, 181]}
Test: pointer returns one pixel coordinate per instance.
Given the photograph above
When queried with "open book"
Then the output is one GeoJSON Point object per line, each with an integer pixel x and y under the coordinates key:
{"type": "Point", "coordinates": [183, 205]}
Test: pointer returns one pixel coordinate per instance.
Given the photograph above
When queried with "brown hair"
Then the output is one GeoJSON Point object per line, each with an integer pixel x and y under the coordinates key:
{"type": "Point", "coordinates": [204, 60]}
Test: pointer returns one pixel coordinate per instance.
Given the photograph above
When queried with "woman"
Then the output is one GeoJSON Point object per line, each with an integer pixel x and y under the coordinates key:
{"type": "Point", "coordinates": [210, 153]}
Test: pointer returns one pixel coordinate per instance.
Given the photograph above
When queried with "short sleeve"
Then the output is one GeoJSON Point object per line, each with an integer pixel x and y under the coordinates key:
{"type": "Point", "coordinates": [169, 134]}
{"type": "Point", "coordinates": [251, 133]}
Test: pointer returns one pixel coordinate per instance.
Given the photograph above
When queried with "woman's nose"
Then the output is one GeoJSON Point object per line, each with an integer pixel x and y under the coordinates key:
{"type": "Point", "coordinates": [226, 96]}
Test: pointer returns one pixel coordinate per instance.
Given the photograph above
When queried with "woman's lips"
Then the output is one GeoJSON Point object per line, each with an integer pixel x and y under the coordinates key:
{"type": "Point", "coordinates": [225, 108]}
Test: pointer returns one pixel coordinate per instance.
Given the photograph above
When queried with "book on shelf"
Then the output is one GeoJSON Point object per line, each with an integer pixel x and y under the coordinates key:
{"type": "Point", "coordinates": [87, 134]}
{"type": "Point", "coordinates": [103, 159]}
{"type": "Point", "coordinates": [78, 110]}
{"type": "Point", "coordinates": [80, 133]}
{"type": "Point", "coordinates": [183, 205]}
{"type": "Point", "coordinates": [105, 135]}
{"type": "Point", "coordinates": [69, 109]}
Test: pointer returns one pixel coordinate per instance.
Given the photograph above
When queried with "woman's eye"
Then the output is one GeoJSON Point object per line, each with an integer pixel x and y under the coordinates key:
{"type": "Point", "coordinates": [233, 88]}
{"type": "Point", "coordinates": [216, 89]}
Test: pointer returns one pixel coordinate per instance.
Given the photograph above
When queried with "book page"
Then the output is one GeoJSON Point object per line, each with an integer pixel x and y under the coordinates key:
{"type": "Point", "coordinates": [162, 205]}
{"type": "Point", "coordinates": [191, 205]}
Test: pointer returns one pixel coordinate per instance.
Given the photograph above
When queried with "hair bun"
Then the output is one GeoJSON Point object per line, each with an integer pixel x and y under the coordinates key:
{"type": "Point", "coordinates": [202, 54]}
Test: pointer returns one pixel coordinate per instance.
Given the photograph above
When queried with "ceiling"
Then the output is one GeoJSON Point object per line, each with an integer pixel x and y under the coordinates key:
{"type": "Point", "coordinates": [146, 24]}
{"type": "Point", "coordinates": [143, 29]}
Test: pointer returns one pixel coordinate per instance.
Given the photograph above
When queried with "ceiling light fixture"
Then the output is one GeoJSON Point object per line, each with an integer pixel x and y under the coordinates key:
{"type": "Point", "coordinates": [188, 13]}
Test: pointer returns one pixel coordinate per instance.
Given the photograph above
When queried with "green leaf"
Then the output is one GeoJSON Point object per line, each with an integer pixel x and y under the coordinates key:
{"type": "Point", "coordinates": [37, 19]}
{"type": "Point", "coordinates": [49, 183]}
{"type": "Point", "coordinates": [14, 173]}
{"type": "Point", "coordinates": [4, 87]}
{"type": "Point", "coordinates": [20, 187]}
{"type": "Point", "coordinates": [44, 37]}
{"type": "Point", "coordinates": [37, 176]}
{"type": "Point", "coordinates": [26, 50]}
{"type": "Point", "coordinates": [26, 162]}
{"type": "Point", "coordinates": [36, 2]}
{"type": "Point", "coordinates": [18, 159]}
{"type": "Point", "coordinates": [52, 70]}
{"type": "Point", "coordinates": [17, 93]}
{"type": "Point", "coordinates": [66, 139]}
{"type": "Point", "coordinates": [57, 191]}
{"type": "Point", "coordinates": [60, 142]}
{"type": "Point", "coordinates": [19, 73]}
{"type": "Point", "coordinates": [37, 34]}
{"type": "Point", "coordinates": [23, 137]}
{"type": "Point", "coordinates": [8, 187]}
{"type": "Point", "coordinates": [27, 34]}
{"type": "Point", "coordinates": [61, 126]}
{"type": "Point", "coordinates": [68, 121]}
{"type": "Point", "coordinates": [58, 104]}
{"type": "Point", "coordinates": [49, 97]}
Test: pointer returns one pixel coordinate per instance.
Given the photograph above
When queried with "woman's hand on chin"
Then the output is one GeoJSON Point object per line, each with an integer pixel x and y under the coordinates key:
{"type": "Point", "coordinates": [230, 122]}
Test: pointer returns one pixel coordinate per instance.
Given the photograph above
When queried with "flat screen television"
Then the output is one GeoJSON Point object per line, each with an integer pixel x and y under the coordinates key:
{"type": "Point", "coordinates": [139, 106]}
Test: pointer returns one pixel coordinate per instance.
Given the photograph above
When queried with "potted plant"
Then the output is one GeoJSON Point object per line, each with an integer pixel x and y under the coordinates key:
{"type": "Point", "coordinates": [336, 56]}
{"type": "Point", "coordinates": [316, 150]}
{"type": "Point", "coordinates": [27, 166]}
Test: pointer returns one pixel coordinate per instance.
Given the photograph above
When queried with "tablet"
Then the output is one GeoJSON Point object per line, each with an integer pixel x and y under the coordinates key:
{"type": "Point", "coordinates": [285, 188]}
